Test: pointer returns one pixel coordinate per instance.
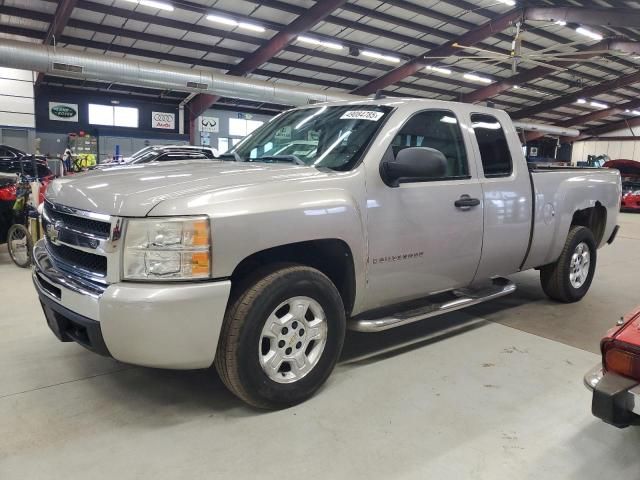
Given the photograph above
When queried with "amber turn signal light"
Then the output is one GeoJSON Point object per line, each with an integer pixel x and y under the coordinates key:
{"type": "Point", "coordinates": [622, 362]}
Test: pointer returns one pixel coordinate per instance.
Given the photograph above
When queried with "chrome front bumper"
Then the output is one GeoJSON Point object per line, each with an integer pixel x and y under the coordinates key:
{"type": "Point", "coordinates": [168, 325]}
{"type": "Point", "coordinates": [616, 399]}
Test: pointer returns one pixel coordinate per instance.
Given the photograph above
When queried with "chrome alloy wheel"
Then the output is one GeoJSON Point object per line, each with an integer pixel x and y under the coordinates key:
{"type": "Point", "coordinates": [580, 263]}
{"type": "Point", "coordinates": [293, 339]}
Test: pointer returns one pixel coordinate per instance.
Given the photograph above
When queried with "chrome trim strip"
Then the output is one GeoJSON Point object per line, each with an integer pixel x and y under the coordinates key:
{"type": "Point", "coordinates": [635, 397]}
{"type": "Point", "coordinates": [593, 377]}
{"type": "Point", "coordinates": [78, 213]}
{"type": "Point", "coordinates": [466, 298]}
{"type": "Point", "coordinates": [50, 220]}
{"type": "Point", "coordinates": [44, 266]}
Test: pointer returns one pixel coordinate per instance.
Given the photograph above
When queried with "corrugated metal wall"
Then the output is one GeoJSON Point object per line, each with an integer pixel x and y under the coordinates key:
{"type": "Point", "coordinates": [616, 149]}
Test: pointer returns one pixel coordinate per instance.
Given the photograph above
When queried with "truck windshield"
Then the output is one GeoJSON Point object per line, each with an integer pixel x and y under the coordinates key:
{"type": "Point", "coordinates": [329, 137]}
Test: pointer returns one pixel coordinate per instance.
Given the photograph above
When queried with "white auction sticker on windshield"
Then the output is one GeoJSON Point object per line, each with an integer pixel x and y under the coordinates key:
{"type": "Point", "coordinates": [362, 115]}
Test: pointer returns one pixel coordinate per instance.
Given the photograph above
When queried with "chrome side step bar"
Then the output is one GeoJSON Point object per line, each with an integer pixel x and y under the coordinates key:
{"type": "Point", "coordinates": [431, 307]}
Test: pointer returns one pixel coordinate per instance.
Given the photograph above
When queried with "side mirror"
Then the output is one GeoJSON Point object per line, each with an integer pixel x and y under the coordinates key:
{"type": "Point", "coordinates": [415, 163]}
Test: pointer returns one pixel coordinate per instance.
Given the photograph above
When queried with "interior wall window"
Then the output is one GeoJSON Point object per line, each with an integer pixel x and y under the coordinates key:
{"type": "Point", "coordinates": [113, 116]}
{"type": "Point", "coordinates": [240, 127]}
{"type": "Point", "coordinates": [252, 125]}
{"type": "Point", "coordinates": [100, 114]}
{"type": "Point", "coordinates": [125, 117]}
{"type": "Point", "coordinates": [237, 127]}
{"type": "Point", "coordinates": [223, 144]}
{"type": "Point", "coordinates": [437, 129]}
{"type": "Point", "coordinates": [494, 148]}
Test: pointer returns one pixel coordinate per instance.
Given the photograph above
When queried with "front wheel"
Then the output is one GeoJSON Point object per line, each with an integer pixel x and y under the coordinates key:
{"type": "Point", "coordinates": [569, 278]}
{"type": "Point", "coordinates": [282, 337]}
{"type": "Point", "coordinates": [20, 245]}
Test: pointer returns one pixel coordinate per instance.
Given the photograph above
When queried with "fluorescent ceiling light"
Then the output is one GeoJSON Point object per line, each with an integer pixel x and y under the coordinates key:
{"type": "Point", "coordinates": [635, 112]}
{"type": "Point", "coordinates": [477, 78]}
{"type": "Point", "coordinates": [444, 71]}
{"type": "Point", "coordinates": [223, 20]}
{"type": "Point", "coordinates": [589, 33]}
{"type": "Point", "coordinates": [380, 56]}
{"type": "Point", "coordinates": [511, 3]}
{"type": "Point", "coordinates": [581, 101]}
{"type": "Point", "coordinates": [562, 23]}
{"type": "Point", "coordinates": [251, 26]}
{"type": "Point", "coordinates": [516, 87]}
{"type": "Point", "coordinates": [234, 23]}
{"type": "Point", "coordinates": [320, 43]}
{"type": "Point", "coordinates": [599, 105]}
{"type": "Point", "coordinates": [153, 4]}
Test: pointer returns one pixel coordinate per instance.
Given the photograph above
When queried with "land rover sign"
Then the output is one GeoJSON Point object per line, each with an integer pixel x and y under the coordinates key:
{"type": "Point", "coordinates": [63, 112]}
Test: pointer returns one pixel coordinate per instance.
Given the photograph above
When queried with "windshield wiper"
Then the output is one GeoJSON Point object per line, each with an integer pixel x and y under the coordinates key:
{"type": "Point", "coordinates": [230, 156]}
{"type": "Point", "coordinates": [279, 159]}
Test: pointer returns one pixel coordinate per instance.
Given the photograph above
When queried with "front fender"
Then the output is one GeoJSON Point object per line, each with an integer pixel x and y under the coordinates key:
{"type": "Point", "coordinates": [249, 219]}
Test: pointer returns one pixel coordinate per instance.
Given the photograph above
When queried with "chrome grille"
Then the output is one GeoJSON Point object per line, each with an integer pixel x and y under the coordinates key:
{"type": "Point", "coordinates": [89, 262]}
{"type": "Point", "coordinates": [87, 225]}
{"type": "Point", "coordinates": [78, 242]}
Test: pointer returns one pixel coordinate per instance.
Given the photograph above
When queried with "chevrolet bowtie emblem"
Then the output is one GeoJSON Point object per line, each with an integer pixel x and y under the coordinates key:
{"type": "Point", "coordinates": [53, 232]}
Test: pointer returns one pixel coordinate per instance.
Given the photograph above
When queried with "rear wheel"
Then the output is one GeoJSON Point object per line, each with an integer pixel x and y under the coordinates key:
{"type": "Point", "coordinates": [281, 337]}
{"type": "Point", "coordinates": [20, 245]}
{"type": "Point", "coordinates": [569, 278]}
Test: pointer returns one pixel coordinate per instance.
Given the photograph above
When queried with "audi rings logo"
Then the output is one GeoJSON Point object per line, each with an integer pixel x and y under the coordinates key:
{"type": "Point", "coordinates": [163, 117]}
{"type": "Point", "coordinates": [163, 120]}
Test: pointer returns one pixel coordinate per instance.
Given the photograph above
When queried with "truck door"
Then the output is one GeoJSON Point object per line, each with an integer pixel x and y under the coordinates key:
{"type": "Point", "coordinates": [425, 235]}
{"type": "Point", "coordinates": [507, 196]}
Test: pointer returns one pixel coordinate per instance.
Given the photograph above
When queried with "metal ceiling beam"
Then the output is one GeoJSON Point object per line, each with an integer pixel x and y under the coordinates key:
{"type": "Point", "coordinates": [264, 53]}
{"type": "Point", "coordinates": [57, 25]}
{"type": "Point", "coordinates": [610, 127]}
{"type": "Point", "coordinates": [591, 117]}
{"type": "Point", "coordinates": [277, 4]}
{"type": "Point", "coordinates": [593, 91]}
{"type": "Point", "coordinates": [164, 40]}
{"type": "Point", "coordinates": [531, 74]}
{"type": "Point", "coordinates": [472, 7]}
{"type": "Point", "coordinates": [615, 17]}
{"type": "Point", "coordinates": [413, 66]}
{"type": "Point", "coordinates": [60, 19]}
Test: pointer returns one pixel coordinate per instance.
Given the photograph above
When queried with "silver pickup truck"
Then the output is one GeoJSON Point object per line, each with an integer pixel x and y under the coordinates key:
{"type": "Point", "coordinates": [404, 209]}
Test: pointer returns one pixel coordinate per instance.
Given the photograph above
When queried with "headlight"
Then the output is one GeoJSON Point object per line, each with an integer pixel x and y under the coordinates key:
{"type": "Point", "coordinates": [167, 249]}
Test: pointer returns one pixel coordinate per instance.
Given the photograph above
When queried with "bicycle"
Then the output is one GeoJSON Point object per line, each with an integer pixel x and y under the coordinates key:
{"type": "Point", "coordinates": [20, 236]}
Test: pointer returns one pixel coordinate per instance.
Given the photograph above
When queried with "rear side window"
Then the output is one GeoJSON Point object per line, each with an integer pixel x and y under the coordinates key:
{"type": "Point", "coordinates": [494, 149]}
{"type": "Point", "coordinates": [437, 129]}
{"type": "Point", "coordinates": [4, 152]}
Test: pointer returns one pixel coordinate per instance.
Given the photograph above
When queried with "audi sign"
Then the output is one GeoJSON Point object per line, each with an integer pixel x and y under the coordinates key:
{"type": "Point", "coordinates": [163, 120]}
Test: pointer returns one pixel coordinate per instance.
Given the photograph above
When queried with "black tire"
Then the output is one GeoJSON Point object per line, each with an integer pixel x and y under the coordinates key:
{"type": "Point", "coordinates": [237, 357]}
{"type": "Point", "coordinates": [555, 277]}
{"type": "Point", "coordinates": [18, 233]}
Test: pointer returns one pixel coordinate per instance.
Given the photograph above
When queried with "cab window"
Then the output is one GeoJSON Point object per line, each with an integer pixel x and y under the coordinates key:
{"type": "Point", "coordinates": [493, 145]}
{"type": "Point", "coordinates": [440, 130]}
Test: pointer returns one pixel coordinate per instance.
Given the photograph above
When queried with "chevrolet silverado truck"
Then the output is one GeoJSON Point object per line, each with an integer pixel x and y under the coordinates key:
{"type": "Point", "coordinates": [407, 208]}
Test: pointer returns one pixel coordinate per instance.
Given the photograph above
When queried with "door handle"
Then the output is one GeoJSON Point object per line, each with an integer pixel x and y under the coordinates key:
{"type": "Point", "coordinates": [465, 202]}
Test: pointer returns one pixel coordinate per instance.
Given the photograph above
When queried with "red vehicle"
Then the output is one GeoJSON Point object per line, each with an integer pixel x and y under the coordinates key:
{"type": "Point", "coordinates": [630, 172]}
{"type": "Point", "coordinates": [616, 382]}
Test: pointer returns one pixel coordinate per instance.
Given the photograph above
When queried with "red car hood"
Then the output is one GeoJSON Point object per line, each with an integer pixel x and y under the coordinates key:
{"type": "Point", "coordinates": [629, 168]}
{"type": "Point", "coordinates": [629, 332]}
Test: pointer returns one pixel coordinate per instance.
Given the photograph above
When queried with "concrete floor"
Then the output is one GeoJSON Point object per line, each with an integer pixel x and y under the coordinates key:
{"type": "Point", "coordinates": [492, 392]}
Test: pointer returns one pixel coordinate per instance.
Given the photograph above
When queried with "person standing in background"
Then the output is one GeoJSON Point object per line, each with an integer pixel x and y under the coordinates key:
{"type": "Point", "coordinates": [66, 159]}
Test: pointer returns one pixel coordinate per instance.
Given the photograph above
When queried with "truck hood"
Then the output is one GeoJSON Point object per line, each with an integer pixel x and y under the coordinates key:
{"type": "Point", "coordinates": [132, 191]}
